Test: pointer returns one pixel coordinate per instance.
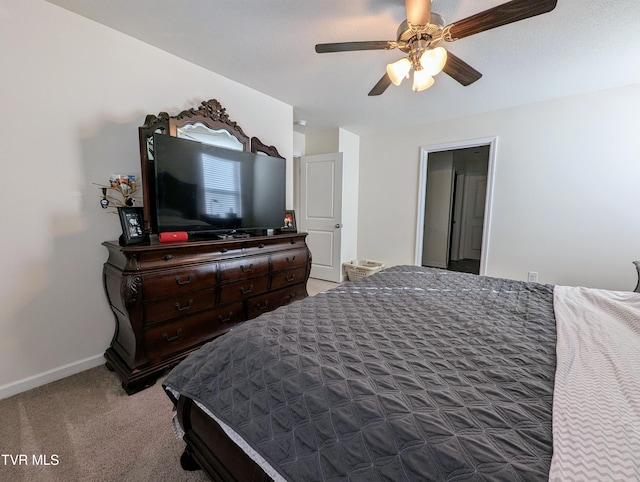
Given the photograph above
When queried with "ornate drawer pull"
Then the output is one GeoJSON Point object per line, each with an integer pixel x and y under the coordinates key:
{"type": "Point", "coordinates": [246, 269]}
{"type": "Point", "coordinates": [172, 338]}
{"type": "Point", "coordinates": [291, 277]}
{"type": "Point", "coordinates": [167, 257]}
{"type": "Point", "coordinates": [224, 250]}
{"type": "Point", "coordinates": [263, 306]}
{"type": "Point", "coordinates": [182, 308]}
{"type": "Point", "coordinates": [293, 241]}
{"type": "Point", "coordinates": [291, 260]}
{"type": "Point", "coordinates": [245, 291]}
{"type": "Point", "coordinates": [227, 319]}
{"type": "Point", "coordinates": [293, 295]}
{"type": "Point", "coordinates": [260, 246]}
{"type": "Point", "coordinates": [186, 282]}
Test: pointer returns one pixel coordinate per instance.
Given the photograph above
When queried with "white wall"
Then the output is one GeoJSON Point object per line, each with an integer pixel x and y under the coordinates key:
{"type": "Point", "coordinates": [299, 144]}
{"type": "Point", "coordinates": [322, 142]}
{"type": "Point", "coordinates": [565, 199]}
{"type": "Point", "coordinates": [349, 145]}
{"type": "Point", "coordinates": [73, 95]}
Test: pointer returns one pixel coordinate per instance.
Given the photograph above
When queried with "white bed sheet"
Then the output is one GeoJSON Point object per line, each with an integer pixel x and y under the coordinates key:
{"type": "Point", "coordinates": [596, 405]}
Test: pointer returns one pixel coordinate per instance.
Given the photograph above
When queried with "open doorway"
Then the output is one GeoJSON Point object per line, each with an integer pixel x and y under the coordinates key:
{"type": "Point", "coordinates": [454, 205]}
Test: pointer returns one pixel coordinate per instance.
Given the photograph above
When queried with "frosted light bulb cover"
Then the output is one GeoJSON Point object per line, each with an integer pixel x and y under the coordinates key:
{"type": "Point", "coordinates": [433, 60]}
{"type": "Point", "coordinates": [399, 70]}
{"type": "Point", "coordinates": [421, 80]}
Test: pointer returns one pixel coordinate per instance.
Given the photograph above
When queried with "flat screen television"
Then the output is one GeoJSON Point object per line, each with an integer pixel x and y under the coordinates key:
{"type": "Point", "coordinates": [204, 189]}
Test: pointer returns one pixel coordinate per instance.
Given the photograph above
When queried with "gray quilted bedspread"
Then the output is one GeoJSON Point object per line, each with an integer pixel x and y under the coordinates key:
{"type": "Point", "coordinates": [411, 374]}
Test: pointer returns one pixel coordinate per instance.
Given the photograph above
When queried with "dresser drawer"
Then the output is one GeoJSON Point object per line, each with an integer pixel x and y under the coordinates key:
{"type": "Point", "coordinates": [179, 335]}
{"type": "Point", "coordinates": [289, 259]}
{"type": "Point", "coordinates": [157, 284]}
{"type": "Point", "coordinates": [290, 277]}
{"type": "Point", "coordinates": [171, 255]}
{"type": "Point", "coordinates": [243, 289]}
{"type": "Point", "coordinates": [268, 244]}
{"type": "Point", "coordinates": [274, 299]}
{"type": "Point", "coordinates": [244, 268]}
{"type": "Point", "coordinates": [164, 309]}
{"type": "Point", "coordinates": [229, 315]}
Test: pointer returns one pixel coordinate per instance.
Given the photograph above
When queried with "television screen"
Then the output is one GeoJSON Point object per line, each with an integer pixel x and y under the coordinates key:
{"type": "Point", "coordinates": [208, 189]}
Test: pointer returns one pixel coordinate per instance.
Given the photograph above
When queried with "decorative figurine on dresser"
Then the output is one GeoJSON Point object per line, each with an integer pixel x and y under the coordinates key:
{"type": "Point", "coordinates": [212, 264]}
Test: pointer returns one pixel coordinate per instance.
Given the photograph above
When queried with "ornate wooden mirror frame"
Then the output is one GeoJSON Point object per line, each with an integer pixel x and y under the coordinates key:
{"type": "Point", "coordinates": [213, 117]}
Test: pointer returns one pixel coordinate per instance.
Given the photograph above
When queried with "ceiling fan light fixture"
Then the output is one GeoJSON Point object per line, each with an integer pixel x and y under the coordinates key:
{"type": "Point", "coordinates": [420, 34]}
{"type": "Point", "coordinates": [434, 60]}
{"type": "Point", "coordinates": [399, 70]}
{"type": "Point", "coordinates": [421, 80]}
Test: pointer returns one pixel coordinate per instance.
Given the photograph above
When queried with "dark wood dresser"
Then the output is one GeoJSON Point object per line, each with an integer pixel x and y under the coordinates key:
{"type": "Point", "coordinates": [168, 299]}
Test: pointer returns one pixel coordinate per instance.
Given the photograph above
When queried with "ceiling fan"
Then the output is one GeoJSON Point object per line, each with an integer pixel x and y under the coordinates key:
{"type": "Point", "coordinates": [420, 35]}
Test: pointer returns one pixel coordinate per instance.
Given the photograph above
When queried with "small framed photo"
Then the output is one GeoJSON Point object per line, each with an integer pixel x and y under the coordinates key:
{"type": "Point", "coordinates": [132, 221]}
{"type": "Point", "coordinates": [289, 225]}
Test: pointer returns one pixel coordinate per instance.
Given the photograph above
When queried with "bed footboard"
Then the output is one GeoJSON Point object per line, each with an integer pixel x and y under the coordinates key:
{"type": "Point", "coordinates": [212, 450]}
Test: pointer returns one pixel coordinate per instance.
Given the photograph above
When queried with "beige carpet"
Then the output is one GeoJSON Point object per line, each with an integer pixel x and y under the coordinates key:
{"type": "Point", "coordinates": [93, 429]}
{"type": "Point", "coordinates": [88, 429]}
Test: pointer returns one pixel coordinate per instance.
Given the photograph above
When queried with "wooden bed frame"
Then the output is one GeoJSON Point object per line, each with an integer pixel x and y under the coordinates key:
{"type": "Point", "coordinates": [209, 448]}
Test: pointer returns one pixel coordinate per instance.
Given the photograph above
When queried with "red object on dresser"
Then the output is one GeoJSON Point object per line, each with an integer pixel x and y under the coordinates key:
{"type": "Point", "coordinates": [173, 237]}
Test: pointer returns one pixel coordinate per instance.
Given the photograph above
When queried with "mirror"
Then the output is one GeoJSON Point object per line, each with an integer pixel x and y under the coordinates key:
{"type": "Point", "coordinates": [201, 133]}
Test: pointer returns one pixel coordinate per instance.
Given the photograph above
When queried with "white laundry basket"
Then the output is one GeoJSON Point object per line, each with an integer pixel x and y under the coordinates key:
{"type": "Point", "coordinates": [361, 268]}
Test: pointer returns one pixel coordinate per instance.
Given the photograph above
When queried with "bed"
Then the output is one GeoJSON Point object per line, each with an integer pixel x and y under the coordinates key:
{"type": "Point", "coordinates": [420, 374]}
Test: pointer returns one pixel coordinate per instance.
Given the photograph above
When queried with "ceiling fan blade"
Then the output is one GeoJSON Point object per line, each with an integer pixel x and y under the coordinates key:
{"type": "Point", "coordinates": [504, 14]}
{"type": "Point", "coordinates": [418, 11]}
{"type": "Point", "coordinates": [381, 86]}
{"type": "Point", "coordinates": [350, 46]}
{"type": "Point", "coordinates": [459, 70]}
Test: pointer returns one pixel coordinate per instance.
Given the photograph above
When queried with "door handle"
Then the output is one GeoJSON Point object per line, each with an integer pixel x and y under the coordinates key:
{"type": "Point", "coordinates": [338, 226]}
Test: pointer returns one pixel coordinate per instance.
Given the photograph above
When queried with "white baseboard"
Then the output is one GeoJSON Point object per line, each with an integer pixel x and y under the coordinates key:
{"type": "Point", "coordinates": [49, 376]}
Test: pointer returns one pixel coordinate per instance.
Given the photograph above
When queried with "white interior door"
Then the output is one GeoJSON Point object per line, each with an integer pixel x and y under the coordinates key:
{"type": "Point", "coordinates": [321, 213]}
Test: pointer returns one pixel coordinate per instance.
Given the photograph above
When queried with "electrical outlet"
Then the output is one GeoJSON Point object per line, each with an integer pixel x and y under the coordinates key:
{"type": "Point", "coordinates": [532, 277]}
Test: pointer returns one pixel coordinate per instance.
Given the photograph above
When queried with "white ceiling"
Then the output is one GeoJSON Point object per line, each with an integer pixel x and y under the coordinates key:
{"type": "Point", "coordinates": [581, 46]}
